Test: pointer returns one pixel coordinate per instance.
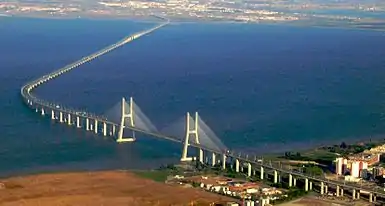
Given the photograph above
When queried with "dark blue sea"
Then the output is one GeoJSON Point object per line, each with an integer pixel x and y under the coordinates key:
{"type": "Point", "coordinates": [261, 88]}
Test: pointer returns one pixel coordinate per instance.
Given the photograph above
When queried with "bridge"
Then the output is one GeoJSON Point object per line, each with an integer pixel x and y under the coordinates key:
{"type": "Point", "coordinates": [190, 131]}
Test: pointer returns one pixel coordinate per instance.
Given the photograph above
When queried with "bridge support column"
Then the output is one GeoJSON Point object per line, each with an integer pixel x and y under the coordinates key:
{"type": "Point", "coordinates": [52, 114]}
{"type": "Point", "coordinates": [190, 131]}
{"type": "Point", "coordinates": [370, 197]}
{"type": "Point", "coordinates": [87, 124]}
{"type": "Point", "coordinates": [42, 112]}
{"type": "Point", "coordinates": [326, 188]}
{"type": "Point", "coordinates": [262, 173]}
{"type": "Point", "coordinates": [78, 122]}
{"type": "Point", "coordinates": [290, 180]}
{"type": "Point", "coordinates": [201, 155]}
{"type": "Point", "coordinates": [69, 119]}
{"type": "Point", "coordinates": [342, 192]}
{"type": "Point", "coordinates": [322, 188]}
{"type": "Point", "coordinates": [306, 184]}
{"type": "Point", "coordinates": [354, 194]}
{"type": "Point", "coordinates": [104, 129]}
{"type": "Point", "coordinates": [96, 126]}
{"type": "Point", "coordinates": [224, 162]}
{"type": "Point", "coordinates": [125, 115]}
{"type": "Point", "coordinates": [113, 130]}
{"type": "Point", "coordinates": [310, 185]}
{"type": "Point", "coordinates": [294, 182]}
{"type": "Point", "coordinates": [213, 159]}
{"type": "Point", "coordinates": [358, 195]}
{"type": "Point", "coordinates": [236, 165]}
{"type": "Point", "coordinates": [249, 169]}
{"type": "Point", "coordinates": [338, 191]}
{"type": "Point", "coordinates": [275, 176]}
{"type": "Point", "coordinates": [61, 117]}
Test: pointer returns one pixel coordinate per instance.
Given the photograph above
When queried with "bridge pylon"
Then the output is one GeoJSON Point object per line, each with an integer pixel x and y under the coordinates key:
{"type": "Point", "coordinates": [126, 113]}
{"type": "Point", "coordinates": [191, 130]}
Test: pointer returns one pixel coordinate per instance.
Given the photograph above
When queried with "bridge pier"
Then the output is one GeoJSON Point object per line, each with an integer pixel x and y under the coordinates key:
{"type": "Point", "coordinates": [290, 180]}
{"type": "Point", "coordinates": [42, 112]}
{"type": "Point", "coordinates": [354, 194]}
{"type": "Point", "coordinates": [294, 181]}
{"type": "Point", "coordinates": [248, 169]}
{"type": "Point", "coordinates": [104, 129]}
{"type": "Point", "coordinates": [306, 184]}
{"type": "Point", "coordinates": [262, 173]}
{"type": "Point", "coordinates": [78, 122]}
{"type": "Point", "coordinates": [61, 117]}
{"type": "Point", "coordinates": [224, 161]}
{"type": "Point", "coordinates": [87, 124]}
{"type": "Point", "coordinates": [275, 176]}
{"type": "Point", "coordinates": [338, 191]}
{"type": "Point", "coordinates": [125, 115]}
{"type": "Point", "coordinates": [190, 131]}
{"type": "Point", "coordinates": [69, 119]}
{"type": "Point", "coordinates": [213, 159]}
{"type": "Point", "coordinates": [326, 188]}
{"type": "Point", "coordinates": [96, 126]}
{"type": "Point", "coordinates": [201, 155]}
{"type": "Point", "coordinates": [322, 189]}
{"type": "Point", "coordinates": [113, 130]}
{"type": "Point", "coordinates": [236, 165]}
{"type": "Point", "coordinates": [310, 185]}
{"type": "Point", "coordinates": [52, 114]}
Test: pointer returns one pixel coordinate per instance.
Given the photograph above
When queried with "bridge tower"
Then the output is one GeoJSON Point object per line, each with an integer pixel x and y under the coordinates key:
{"type": "Point", "coordinates": [191, 130]}
{"type": "Point", "coordinates": [126, 114]}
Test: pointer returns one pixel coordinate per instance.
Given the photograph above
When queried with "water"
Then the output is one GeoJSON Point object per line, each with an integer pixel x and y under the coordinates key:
{"type": "Point", "coordinates": [261, 88]}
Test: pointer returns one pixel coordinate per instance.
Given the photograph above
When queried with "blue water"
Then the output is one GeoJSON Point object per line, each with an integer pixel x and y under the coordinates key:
{"type": "Point", "coordinates": [261, 88]}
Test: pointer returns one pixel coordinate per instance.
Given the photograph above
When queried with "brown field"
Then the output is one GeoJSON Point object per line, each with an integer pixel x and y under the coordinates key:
{"type": "Point", "coordinates": [98, 188]}
{"type": "Point", "coordinates": [315, 201]}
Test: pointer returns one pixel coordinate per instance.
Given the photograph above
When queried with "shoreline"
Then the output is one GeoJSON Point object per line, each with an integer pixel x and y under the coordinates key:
{"type": "Point", "coordinates": [149, 19]}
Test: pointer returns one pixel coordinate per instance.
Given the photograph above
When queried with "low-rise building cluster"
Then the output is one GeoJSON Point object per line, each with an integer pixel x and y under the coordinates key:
{"type": "Point", "coordinates": [252, 192]}
{"type": "Point", "coordinates": [360, 165]}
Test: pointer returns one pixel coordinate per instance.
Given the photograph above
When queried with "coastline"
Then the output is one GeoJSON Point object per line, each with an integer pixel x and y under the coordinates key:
{"type": "Point", "coordinates": [149, 19]}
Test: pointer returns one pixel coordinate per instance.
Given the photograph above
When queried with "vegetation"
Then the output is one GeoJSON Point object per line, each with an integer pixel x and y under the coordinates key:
{"type": "Point", "coordinates": [156, 175]}
{"type": "Point", "coordinates": [313, 170]}
{"type": "Point", "coordinates": [326, 155]}
{"type": "Point", "coordinates": [293, 193]}
{"type": "Point", "coordinates": [159, 175]}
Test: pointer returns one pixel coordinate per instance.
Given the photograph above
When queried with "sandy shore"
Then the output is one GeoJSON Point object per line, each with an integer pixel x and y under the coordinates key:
{"type": "Point", "coordinates": [97, 188]}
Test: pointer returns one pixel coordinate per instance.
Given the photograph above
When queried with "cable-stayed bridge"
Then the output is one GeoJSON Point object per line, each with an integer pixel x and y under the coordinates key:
{"type": "Point", "coordinates": [127, 117]}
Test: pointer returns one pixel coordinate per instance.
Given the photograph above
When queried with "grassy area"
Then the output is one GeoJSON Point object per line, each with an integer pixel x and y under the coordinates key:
{"type": "Point", "coordinates": [320, 155]}
{"type": "Point", "coordinates": [156, 175]}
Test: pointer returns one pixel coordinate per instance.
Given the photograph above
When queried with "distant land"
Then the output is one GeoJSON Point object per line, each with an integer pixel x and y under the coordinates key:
{"type": "Point", "coordinates": [345, 13]}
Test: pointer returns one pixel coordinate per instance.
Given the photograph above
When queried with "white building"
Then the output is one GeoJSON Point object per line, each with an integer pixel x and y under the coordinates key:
{"type": "Point", "coordinates": [339, 166]}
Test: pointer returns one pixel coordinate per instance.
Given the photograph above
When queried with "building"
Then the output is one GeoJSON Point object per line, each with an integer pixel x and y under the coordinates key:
{"type": "Point", "coordinates": [339, 166]}
{"type": "Point", "coordinates": [353, 165]}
